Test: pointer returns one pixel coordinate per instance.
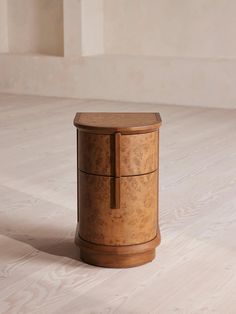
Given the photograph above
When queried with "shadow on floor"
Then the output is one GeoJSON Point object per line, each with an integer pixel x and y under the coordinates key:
{"type": "Point", "coordinates": [59, 242]}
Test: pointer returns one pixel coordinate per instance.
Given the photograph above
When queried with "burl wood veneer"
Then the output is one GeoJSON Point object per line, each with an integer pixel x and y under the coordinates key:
{"type": "Point", "coordinates": [117, 156]}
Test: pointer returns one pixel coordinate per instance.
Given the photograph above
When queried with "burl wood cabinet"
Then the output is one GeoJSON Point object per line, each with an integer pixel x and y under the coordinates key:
{"type": "Point", "coordinates": [117, 167]}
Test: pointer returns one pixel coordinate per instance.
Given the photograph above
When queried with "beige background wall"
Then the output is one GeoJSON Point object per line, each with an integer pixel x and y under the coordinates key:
{"type": "Point", "coordinates": [162, 51]}
{"type": "Point", "coordinates": [71, 24]}
{"type": "Point", "coordinates": [183, 28]}
{"type": "Point", "coordinates": [92, 27]}
{"type": "Point", "coordinates": [3, 26]}
{"type": "Point", "coordinates": [35, 26]}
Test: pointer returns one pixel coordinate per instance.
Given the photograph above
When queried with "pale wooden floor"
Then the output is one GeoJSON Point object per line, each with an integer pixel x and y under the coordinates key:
{"type": "Point", "coordinates": [195, 269]}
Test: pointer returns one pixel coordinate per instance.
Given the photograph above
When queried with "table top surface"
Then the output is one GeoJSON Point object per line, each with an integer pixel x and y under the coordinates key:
{"type": "Point", "coordinates": [123, 122]}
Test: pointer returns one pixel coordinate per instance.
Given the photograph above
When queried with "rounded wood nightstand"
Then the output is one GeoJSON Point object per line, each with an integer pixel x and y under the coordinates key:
{"type": "Point", "coordinates": [117, 169]}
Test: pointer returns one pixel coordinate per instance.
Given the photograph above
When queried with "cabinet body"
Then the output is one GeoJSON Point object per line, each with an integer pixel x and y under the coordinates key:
{"type": "Point", "coordinates": [118, 174]}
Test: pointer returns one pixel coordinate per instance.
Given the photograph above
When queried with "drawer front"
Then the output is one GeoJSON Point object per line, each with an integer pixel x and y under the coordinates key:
{"type": "Point", "coordinates": [137, 153]}
{"type": "Point", "coordinates": [96, 153]}
{"type": "Point", "coordinates": [135, 221]}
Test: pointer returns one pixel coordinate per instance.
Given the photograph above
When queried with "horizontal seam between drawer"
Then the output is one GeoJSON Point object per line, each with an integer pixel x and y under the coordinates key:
{"type": "Point", "coordinates": [93, 133]}
{"type": "Point", "coordinates": [130, 175]}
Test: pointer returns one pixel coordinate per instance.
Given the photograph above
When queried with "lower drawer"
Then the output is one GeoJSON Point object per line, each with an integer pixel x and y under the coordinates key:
{"type": "Point", "coordinates": [136, 219]}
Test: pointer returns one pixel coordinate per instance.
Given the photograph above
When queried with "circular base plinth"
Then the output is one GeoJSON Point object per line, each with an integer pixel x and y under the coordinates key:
{"type": "Point", "coordinates": [117, 256]}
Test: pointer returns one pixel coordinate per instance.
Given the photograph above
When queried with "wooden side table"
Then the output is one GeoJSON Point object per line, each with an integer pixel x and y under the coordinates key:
{"type": "Point", "coordinates": [117, 187]}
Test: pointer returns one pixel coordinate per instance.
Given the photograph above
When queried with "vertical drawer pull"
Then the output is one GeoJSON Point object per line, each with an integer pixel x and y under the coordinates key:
{"type": "Point", "coordinates": [117, 169]}
{"type": "Point", "coordinates": [117, 154]}
{"type": "Point", "coordinates": [117, 192]}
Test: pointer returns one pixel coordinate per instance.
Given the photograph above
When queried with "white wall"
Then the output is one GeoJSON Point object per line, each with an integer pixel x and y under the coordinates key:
{"type": "Point", "coordinates": [174, 52]}
{"type": "Point", "coordinates": [83, 27]}
{"type": "Point", "coordinates": [72, 24]}
{"type": "Point", "coordinates": [3, 26]}
{"type": "Point", "coordinates": [92, 27]}
{"type": "Point", "coordinates": [35, 26]}
{"type": "Point", "coordinates": [183, 28]}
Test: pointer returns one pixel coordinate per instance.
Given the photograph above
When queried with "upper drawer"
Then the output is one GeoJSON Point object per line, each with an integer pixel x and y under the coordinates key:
{"type": "Point", "coordinates": [138, 153]}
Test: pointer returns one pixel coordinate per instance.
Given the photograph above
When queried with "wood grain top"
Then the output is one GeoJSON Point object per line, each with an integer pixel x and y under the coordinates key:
{"type": "Point", "coordinates": [125, 123]}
